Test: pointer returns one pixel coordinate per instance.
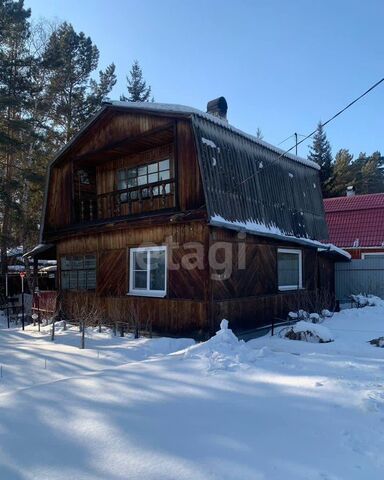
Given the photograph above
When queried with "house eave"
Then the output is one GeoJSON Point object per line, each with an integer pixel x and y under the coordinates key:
{"type": "Point", "coordinates": [328, 248]}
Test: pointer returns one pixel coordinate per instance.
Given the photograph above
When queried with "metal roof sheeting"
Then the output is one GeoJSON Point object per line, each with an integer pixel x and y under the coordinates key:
{"type": "Point", "coordinates": [245, 182]}
{"type": "Point", "coordinates": [169, 108]}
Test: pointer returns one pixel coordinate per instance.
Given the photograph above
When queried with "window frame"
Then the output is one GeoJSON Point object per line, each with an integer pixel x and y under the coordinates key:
{"type": "Point", "coordinates": [147, 292]}
{"type": "Point", "coordinates": [135, 179]}
{"type": "Point", "coordinates": [364, 255]}
{"type": "Point", "coordinates": [299, 253]}
{"type": "Point", "coordinates": [77, 270]}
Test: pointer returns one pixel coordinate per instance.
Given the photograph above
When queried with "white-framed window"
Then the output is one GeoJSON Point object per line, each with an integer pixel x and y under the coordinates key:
{"type": "Point", "coordinates": [148, 271]}
{"type": "Point", "coordinates": [377, 255]}
{"type": "Point", "coordinates": [289, 269]}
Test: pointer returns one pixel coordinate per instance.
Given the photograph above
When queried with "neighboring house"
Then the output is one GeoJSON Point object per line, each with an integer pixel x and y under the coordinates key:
{"type": "Point", "coordinates": [171, 214]}
{"type": "Point", "coordinates": [356, 223]}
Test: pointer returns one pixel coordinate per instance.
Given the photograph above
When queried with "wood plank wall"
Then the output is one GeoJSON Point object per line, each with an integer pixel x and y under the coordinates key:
{"type": "Point", "coordinates": [250, 297]}
{"type": "Point", "coordinates": [184, 309]}
{"type": "Point", "coordinates": [59, 205]}
{"type": "Point", "coordinates": [113, 127]}
{"type": "Point", "coordinates": [195, 299]}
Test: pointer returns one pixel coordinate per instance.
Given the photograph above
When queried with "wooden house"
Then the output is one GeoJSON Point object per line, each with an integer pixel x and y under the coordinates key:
{"type": "Point", "coordinates": [171, 213]}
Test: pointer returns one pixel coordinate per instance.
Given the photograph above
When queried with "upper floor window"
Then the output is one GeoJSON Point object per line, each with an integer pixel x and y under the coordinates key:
{"type": "Point", "coordinates": [78, 272]}
{"type": "Point", "coordinates": [289, 269]}
{"type": "Point", "coordinates": [136, 177]}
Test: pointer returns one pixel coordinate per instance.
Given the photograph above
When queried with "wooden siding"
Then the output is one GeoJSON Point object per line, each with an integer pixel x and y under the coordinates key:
{"type": "Point", "coordinates": [113, 127]}
{"type": "Point", "coordinates": [187, 190]}
{"type": "Point", "coordinates": [191, 194]}
{"type": "Point", "coordinates": [112, 272]}
{"type": "Point", "coordinates": [184, 308]}
{"type": "Point", "coordinates": [180, 317]}
{"type": "Point", "coordinates": [59, 201]}
{"type": "Point", "coordinates": [250, 297]}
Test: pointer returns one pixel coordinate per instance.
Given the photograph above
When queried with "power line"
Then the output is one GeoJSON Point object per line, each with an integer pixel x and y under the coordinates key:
{"type": "Point", "coordinates": [293, 135]}
{"type": "Point", "coordinates": [283, 141]}
{"type": "Point", "coordinates": [314, 131]}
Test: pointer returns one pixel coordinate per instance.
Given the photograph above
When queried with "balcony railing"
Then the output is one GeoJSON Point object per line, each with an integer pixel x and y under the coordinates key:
{"type": "Point", "coordinates": [128, 201]}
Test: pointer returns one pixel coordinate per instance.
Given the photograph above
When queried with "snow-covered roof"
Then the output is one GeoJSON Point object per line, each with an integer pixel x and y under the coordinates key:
{"type": "Point", "coordinates": [273, 231]}
{"type": "Point", "coordinates": [185, 110]}
{"type": "Point", "coordinates": [40, 248]}
{"type": "Point", "coordinates": [244, 178]}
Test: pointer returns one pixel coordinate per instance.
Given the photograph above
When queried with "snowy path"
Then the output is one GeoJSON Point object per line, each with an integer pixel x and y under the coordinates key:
{"type": "Point", "coordinates": [275, 409]}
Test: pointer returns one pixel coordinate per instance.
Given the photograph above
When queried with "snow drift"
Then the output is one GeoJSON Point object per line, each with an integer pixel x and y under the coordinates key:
{"type": "Point", "coordinates": [309, 332]}
{"type": "Point", "coordinates": [224, 351]}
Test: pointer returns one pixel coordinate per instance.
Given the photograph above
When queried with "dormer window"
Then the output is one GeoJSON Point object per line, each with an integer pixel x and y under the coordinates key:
{"type": "Point", "coordinates": [135, 178]}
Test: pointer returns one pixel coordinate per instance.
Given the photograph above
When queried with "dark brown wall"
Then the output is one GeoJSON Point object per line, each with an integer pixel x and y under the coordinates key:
{"type": "Point", "coordinates": [113, 127]}
{"type": "Point", "coordinates": [59, 200]}
{"type": "Point", "coordinates": [184, 309]}
{"type": "Point", "coordinates": [191, 194]}
{"type": "Point", "coordinates": [250, 297]}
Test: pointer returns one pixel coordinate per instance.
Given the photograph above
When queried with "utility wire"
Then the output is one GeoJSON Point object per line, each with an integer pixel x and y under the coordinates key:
{"type": "Point", "coordinates": [293, 134]}
{"type": "Point", "coordinates": [283, 141]}
{"type": "Point", "coordinates": [314, 131]}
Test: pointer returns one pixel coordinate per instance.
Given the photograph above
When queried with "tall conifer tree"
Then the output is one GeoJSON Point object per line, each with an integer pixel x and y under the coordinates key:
{"type": "Point", "coordinates": [15, 121]}
{"type": "Point", "coordinates": [136, 86]}
{"type": "Point", "coordinates": [72, 57]}
{"type": "Point", "coordinates": [320, 153]}
{"type": "Point", "coordinates": [343, 173]}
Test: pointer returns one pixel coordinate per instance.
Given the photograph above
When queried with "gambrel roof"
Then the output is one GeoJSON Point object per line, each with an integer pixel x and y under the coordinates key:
{"type": "Point", "coordinates": [249, 184]}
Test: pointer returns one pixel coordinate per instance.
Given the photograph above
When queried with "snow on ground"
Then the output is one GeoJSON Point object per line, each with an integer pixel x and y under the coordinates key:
{"type": "Point", "coordinates": [269, 409]}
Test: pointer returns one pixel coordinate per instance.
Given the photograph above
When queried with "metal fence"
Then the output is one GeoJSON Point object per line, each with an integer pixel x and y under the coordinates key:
{"type": "Point", "coordinates": [359, 276]}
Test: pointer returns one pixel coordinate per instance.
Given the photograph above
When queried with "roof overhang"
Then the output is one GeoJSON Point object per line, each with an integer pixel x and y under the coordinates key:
{"type": "Point", "coordinates": [272, 232]}
{"type": "Point", "coordinates": [43, 251]}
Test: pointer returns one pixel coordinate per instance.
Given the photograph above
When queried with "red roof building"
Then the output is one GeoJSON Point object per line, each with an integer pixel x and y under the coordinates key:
{"type": "Point", "coordinates": [356, 223]}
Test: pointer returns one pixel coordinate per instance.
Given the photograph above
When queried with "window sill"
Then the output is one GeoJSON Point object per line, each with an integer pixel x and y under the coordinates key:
{"type": "Point", "coordinates": [290, 289]}
{"type": "Point", "coordinates": [147, 294]}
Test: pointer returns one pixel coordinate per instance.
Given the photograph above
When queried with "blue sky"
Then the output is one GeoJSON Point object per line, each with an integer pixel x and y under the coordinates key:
{"type": "Point", "coordinates": [282, 65]}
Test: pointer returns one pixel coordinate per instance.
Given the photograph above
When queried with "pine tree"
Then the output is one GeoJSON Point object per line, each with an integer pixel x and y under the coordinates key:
{"type": "Point", "coordinates": [99, 90]}
{"type": "Point", "coordinates": [259, 134]}
{"type": "Point", "coordinates": [73, 96]}
{"type": "Point", "coordinates": [369, 174]}
{"type": "Point", "coordinates": [343, 173]}
{"type": "Point", "coordinates": [320, 153]}
{"type": "Point", "coordinates": [15, 120]}
{"type": "Point", "coordinates": [136, 86]}
{"type": "Point", "coordinates": [46, 93]}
